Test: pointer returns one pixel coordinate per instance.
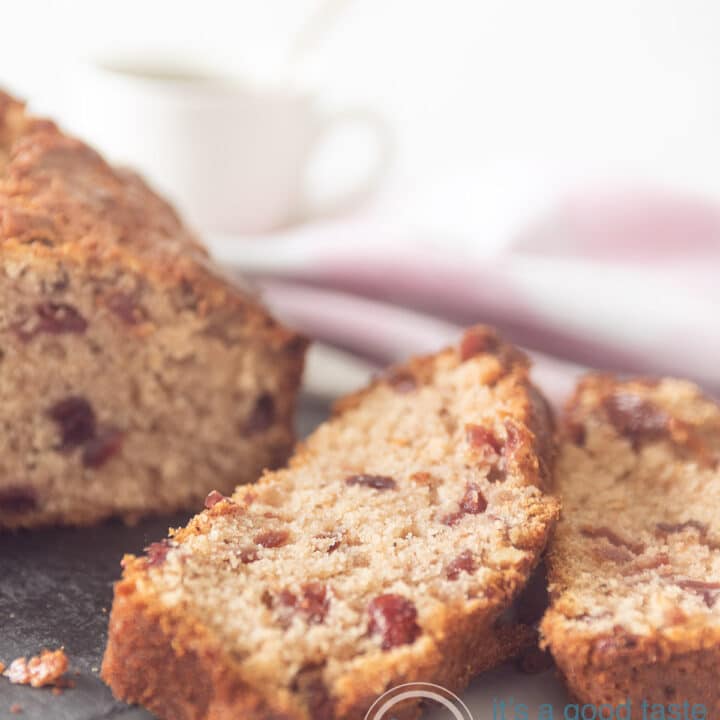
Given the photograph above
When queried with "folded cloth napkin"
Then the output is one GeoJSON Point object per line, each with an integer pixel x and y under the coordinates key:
{"type": "Point", "coordinates": [617, 281]}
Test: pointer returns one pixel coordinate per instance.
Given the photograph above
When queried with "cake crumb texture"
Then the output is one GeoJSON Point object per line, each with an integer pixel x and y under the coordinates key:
{"type": "Point", "coordinates": [389, 551]}
{"type": "Point", "coordinates": [136, 376]}
{"type": "Point", "coordinates": [635, 563]}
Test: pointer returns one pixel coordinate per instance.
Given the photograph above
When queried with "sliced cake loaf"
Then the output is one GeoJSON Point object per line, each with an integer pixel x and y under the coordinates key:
{"type": "Point", "coordinates": [635, 563]}
{"type": "Point", "coordinates": [386, 553]}
{"type": "Point", "coordinates": [135, 377]}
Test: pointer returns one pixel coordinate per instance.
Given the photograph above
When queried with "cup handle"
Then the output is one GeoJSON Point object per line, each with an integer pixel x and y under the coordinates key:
{"type": "Point", "coordinates": [363, 187]}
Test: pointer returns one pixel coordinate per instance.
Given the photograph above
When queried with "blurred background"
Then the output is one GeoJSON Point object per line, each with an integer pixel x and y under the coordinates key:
{"type": "Point", "coordinates": [390, 170]}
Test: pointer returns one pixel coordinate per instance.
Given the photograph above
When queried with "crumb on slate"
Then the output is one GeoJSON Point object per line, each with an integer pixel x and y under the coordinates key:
{"type": "Point", "coordinates": [38, 671]}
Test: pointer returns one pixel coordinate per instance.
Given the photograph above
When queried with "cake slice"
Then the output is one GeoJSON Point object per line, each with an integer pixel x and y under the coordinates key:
{"type": "Point", "coordinates": [387, 553]}
{"type": "Point", "coordinates": [135, 376]}
{"type": "Point", "coordinates": [635, 563]}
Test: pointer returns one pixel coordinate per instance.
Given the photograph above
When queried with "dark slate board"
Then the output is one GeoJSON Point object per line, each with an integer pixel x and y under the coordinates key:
{"type": "Point", "coordinates": [56, 590]}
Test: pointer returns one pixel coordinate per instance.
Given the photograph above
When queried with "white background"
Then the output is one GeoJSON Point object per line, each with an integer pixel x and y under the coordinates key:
{"type": "Point", "coordinates": [513, 94]}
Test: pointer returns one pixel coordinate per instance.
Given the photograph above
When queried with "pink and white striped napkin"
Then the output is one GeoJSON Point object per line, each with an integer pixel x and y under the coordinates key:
{"type": "Point", "coordinates": [620, 281]}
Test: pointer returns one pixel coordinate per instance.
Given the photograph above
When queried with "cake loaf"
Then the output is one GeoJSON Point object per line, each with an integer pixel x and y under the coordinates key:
{"type": "Point", "coordinates": [386, 553]}
{"type": "Point", "coordinates": [135, 376]}
{"type": "Point", "coordinates": [635, 563]}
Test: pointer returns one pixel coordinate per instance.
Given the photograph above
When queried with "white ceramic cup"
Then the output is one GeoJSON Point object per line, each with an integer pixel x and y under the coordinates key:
{"type": "Point", "coordinates": [234, 157]}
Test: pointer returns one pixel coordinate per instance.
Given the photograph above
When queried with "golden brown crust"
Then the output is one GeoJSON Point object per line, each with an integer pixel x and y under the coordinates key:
{"type": "Point", "coordinates": [60, 199]}
{"type": "Point", "coordinates": [612, 668]}
{"type": "Point", "coordinates": [659, 641]}
{"type": "Point", "coordinates": [203, 685]}
{"type": "Point", "coordinates": [458, 640]}
{"type": "Point", "coordinates": [419, 370]}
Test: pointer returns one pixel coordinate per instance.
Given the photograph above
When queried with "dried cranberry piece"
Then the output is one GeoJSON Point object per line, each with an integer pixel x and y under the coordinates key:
{"type": "Point", "coordinates": [126, 307]}
{"type": "Point", "coordinates": [489, 449]}
{"type": "Point", "coordinates": [248, 555]}
{"type": "Point", "coordinates": [17, 500]}
{"type": "Point", "coordinates": [60, 318]}
{"type": "Point", "coordinates": [213, 498]}
{"type": "Point", "coordinates": [76, 419]}
{"type": "Point", "coordinates": [473, 503]}
{"type": "Point", "coordinates": [52, 318]}
{"type": "Point", "coordinates": [477, 340]}
{"type": "Point", "coordinates": [100, 449]}
{"type": "Point", "coordinates": [636, 418]}
{"type": "Point", "coordinates": [612, 537]}
{"type": "Point", "coordinates": [157, 552]}
{"type": "Point", "coordinates": [313, 603]}
{"type": "Point", "coordinates": [262, 416]}
{"type": "Point", "coordinates": [464, 562]}
{"type": "Point", "coordinates": [287, 598]}
{"type": "Point", "coordinates": [272, 538]}
{"type": "Point", "coordinates": [376, 482]}
{"type": "Point", "coordinates": [479, 436]}
{"type": "Point", "coordinates": [394, 619]}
